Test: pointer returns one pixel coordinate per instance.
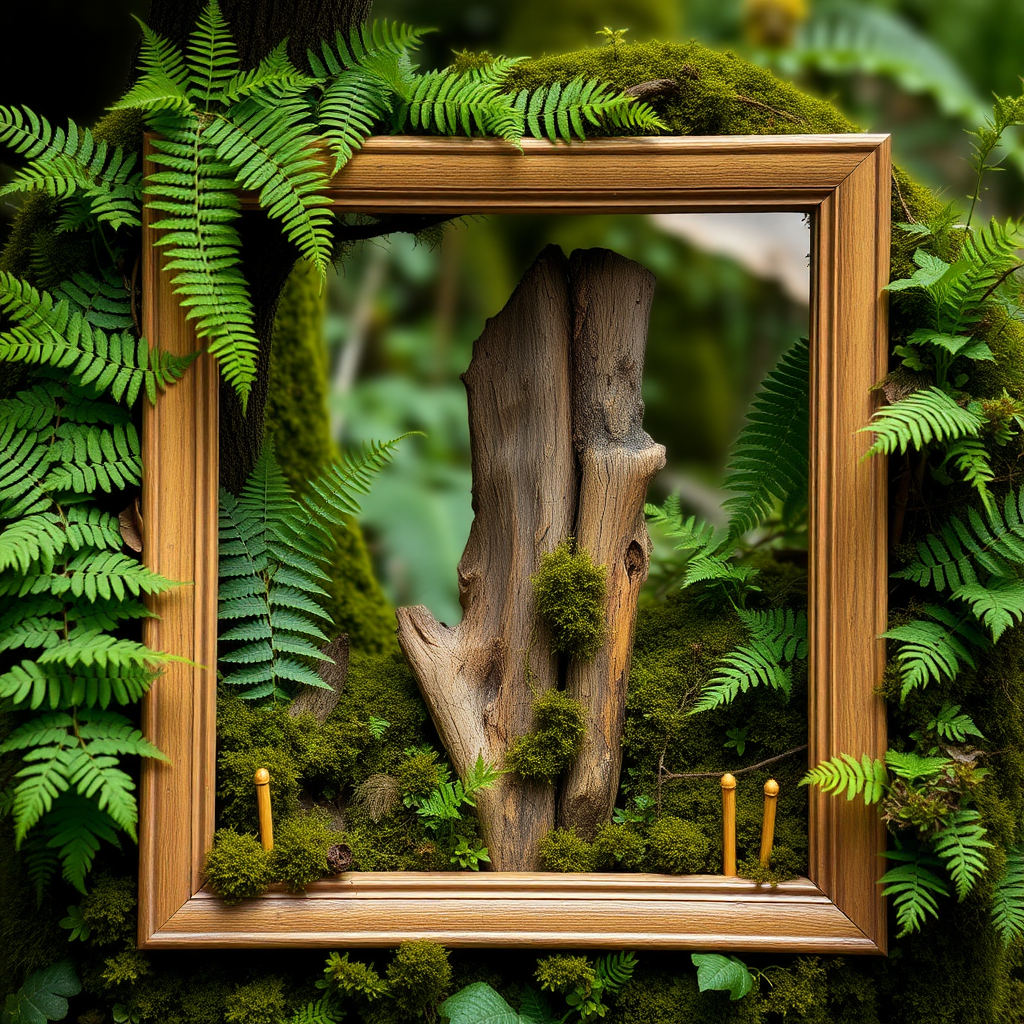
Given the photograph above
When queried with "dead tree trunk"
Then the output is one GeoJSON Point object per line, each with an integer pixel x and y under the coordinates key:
{"type": "Point", "coordinates": [617, 459]}
{"type": "Point", "coordinates": [478, 678]}
{"type": "Point", "coordinates": [558, 450]}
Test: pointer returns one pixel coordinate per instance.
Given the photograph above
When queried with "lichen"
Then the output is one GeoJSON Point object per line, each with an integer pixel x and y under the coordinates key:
{"type": "Point", "coordinates": [570, 590]}
{"type": "Point", "coordinates": [546, 752]}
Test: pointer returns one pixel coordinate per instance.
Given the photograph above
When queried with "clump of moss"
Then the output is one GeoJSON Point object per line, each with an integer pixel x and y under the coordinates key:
{"type": "Point", "coordinates": [300, 849]}
{"type": "Point", "coordinates": [564, 973]}
{"type": "Point", "coordinates": [783, 865]}
{"type": "Point", "coordinates": [618, 846]}
{"type": "Point", "coordinates": [237, 793]}
{"type": "Point", "coordinates": [570, 592]}
{"type": "Point", "coordinates": [558, 731]}
{"type": "Point", "coordinates": [352, 977]}
{"type": "Point", "coordinates": [677, 847]}
{"type": "Point", "coordinates": [562, 850]}
{"type": "Point", "coordinates": [237, 866]}
{"type": "Point", "coordinates": [419, 773]}
{"type": "Point", "coordinates": [109, 910]}
{"type": "Point", "coordinates": [419, 978]}
{"type": "Point", "coordinates": [125, 968]}
{"type": "Point", "coordinates": [259, 1002]}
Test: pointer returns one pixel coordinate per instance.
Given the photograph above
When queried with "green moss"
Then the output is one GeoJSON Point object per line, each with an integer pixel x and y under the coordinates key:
{"type": "Point", "coordinates": [562, 850]}
{"type": "Point", "coordinates": [570, 591]}
{"type": "Point", "coordinates": [564, 973]}
{"type": "Point", "coordinates": [109, 910]}
{"type": "Point", "coordinates": [259, 1002]}
{"type": "Point", "coordinates": [125, 968]}
{"type": "Point", "coordinates": [352, 977]}
{"type": "Point", "coordinates": [296, 416]}
{"type": "Point", "coordinates": [237, 866]}
{"type": "Point", "coordinates": [677, 847]}
{"type": "Point", "coordinates": [660, 998]}
{"type": "Point", "coordinates": [419, 976]}
{"type": "Point", "coordinates": [618, 846]}
{"type": "Point", "coordinates": [236, 791]}
{"type": "Point", "coordinates": [783, 865]}
{"type": "Point", "coordinates": [558, 731]}
{"type": "Point", "coordinates": [419, 772]}
{"type": "Point", "coordinates": [818, 991]}
{"type": "Point", "coordinates": [300, 849]}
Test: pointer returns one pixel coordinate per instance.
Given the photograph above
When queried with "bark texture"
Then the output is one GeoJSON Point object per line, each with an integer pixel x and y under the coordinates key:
{"type": "Point", "coordinates": [557, 450]}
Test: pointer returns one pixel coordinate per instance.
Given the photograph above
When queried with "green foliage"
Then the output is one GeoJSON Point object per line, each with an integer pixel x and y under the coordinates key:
{"type": "Point", "coordinates": [919, 419]}
{"type": "Point", "coordinates": [960, 845]}
{"type": "Point", "coordinates": [914, 888]}
{"type": "Point", "coordinates": [769, 458]}
{"type": "Point", "coordinates": [777, 638]}
{"type": "Point", "coordinates": [570, 591]}
{"type": "Point", "coordinates": [73, 163]}
{"type": "Point", "coordinates": [108, 911]}
{"type": "Point", "coordinates": [469, 854]}
{"type": "Point", "coordinates": [677, 847]}
{"type": "Point", "coordinates": [258, 1002]}
{"type": "Point", "coordinates": [478, 1003]}
{"type": "Point", "coordinates": [43, 997]}
{"type": "Point", "coordinates": [1008, 898]}
{"type": "Point", "coordinates": [722, 974]}
{"type": "Point", "coordinates": [585, 984]}
{"type": "Point", "coordinates": [418, 977]}
{"type": "Point", "coordinates": [443, 805]}
{"type": "Point", "coordinates": [272, 554]}
{"type": "Point", "coordinates": [950, 725]}
{"type": "Point", "coordinates": [546, 752]}
{"type": "Point", "coordinates": [237, 867]}
{"type": "Point", "coordinates": [321, 1011]}
{"type": "Point", "coordinates": [618, 846]}
{"type": "Point", "coordinates": [563, 850]}
{"type": "Point", "coordinates": [933, 651]}
{"type": "Point", "coordinates": [866, 777]}
{"type": "Point", "coordinates": [350, 977]}
{"type": "Point", "coordinates": [300, 849]}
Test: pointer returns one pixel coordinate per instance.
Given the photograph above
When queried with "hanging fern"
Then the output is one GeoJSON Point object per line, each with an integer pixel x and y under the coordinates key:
{"type": "Point", "coordinates": [843, 772]}
{"type": "Point", "coordinates": [924, 417]}
{"type": "Point", "coordinates": [914, 888]}
{"type": "Point", "coordinates": [950, 725]}
{"type": "Point", "coordinates": [933, 651]}
{"type": "Point", "coordinates": [960, 845]}
{"type": "Point", "coordinates": [63, 163]}
{"type": "Point", "coordinates": [770, 458]}
{"type": "Point", "coordinates": [1008, 898]}
{"type": "Point", "coordinates": [273, 550]}
{"type": "Point", "coordinates": [777, 638]}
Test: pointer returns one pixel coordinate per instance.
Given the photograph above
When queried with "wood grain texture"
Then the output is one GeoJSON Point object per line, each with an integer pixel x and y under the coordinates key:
{"type": "Point", "coordinates": [479, 678]}
{"type": "Point", "coordinates": [844, 182]}
{"type": "Point", "coordinates": [611, 298]}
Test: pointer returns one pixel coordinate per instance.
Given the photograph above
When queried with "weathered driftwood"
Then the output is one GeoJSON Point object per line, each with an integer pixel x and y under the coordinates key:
{"type": "Point", "coordinates": [617, 459]}
{"type": "Point", "coordinates": [479, 677]}
{"type": "Point", "coordinates": [558, 451]}
{"type": "Point", "coordinates": [315, 700]}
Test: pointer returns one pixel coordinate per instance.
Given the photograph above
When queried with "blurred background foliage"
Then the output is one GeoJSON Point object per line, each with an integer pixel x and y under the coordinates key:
{"type": "Point", "coordinates": [402, 314]}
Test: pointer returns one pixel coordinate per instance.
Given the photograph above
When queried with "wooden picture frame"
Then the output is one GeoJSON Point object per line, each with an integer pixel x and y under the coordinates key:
{"type": "Point", "coordinates": [843, 182]}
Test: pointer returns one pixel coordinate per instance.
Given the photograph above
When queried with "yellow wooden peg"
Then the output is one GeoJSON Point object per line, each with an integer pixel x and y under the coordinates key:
{"type": "Point", "coordinates": [262, 780]}
{"type": "Point", "coordinates": [729, 824]}
{"type": "Point", "coordinates": [771, 799]}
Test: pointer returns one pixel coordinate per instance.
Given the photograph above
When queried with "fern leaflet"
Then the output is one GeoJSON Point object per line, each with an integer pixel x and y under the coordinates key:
{"type": "Point", "coordinates": [1008, 898]}
{"type": "Point", "coordinates": [866, 777]}
{"type": "Point", "coordinates": [960, 844]}
{"type": "Point", "coordinates": [914, 888]}
{"type": "Point", "coordinates": [919, 419]}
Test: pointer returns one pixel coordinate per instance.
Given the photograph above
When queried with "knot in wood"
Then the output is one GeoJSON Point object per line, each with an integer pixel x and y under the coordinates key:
{"type": "Point", "coordinates": [634, 560]}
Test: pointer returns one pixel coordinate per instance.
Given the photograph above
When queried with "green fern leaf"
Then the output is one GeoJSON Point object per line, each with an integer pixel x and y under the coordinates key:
{"type": "Point", "coordinates": [211, 57]}
{"type": "Point", "coordinates": [914, 888]}
{"type": "Point", "coordinates": [950, 725]}
{"type": "Point", "coordinates": [998, 605]}
{"type": "Point", "coordinates": [912, 767]}
{"type": "Point", "coordinates": [274, 76]}
{"type": "Point", "coordinates": [615, 969]}
{"type": "Point", "coordinates": [919, 419]}
{"type": "Point", "coordinates": [970, 456]}
{"type": "Point", "coordinates": [960, 844]}
{"type": "Point", "coordinates": [1008, 898]}
{"type": "Point", "coordinates": [350, 106]}
{"type": "Point", "coordinates": [769, 459]}
{"type": "Point", "coordinates": [866, 777]}
{"type": "Point", "coordinates": [74, 828]}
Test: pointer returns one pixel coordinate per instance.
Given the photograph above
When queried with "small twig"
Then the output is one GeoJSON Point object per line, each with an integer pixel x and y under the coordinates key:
{"type": "Point", "coordinates": [390, 225]}
{"type": "Point", "coordinates": [775, 110]}
{"type": "Point", "coordinates": [738, 771]}
{"type": "Point", "coordinates": [655, 87]}
{"type": "Point", "coordinates": [131, 295]}
{"type": "Point", "coordinates": [1002, 278]}
{"type": "Point", "coordinates": [903, 202]}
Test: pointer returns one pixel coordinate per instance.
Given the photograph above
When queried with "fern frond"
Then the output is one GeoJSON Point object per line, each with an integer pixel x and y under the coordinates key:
{"type": "Point", "coordinates": [560, 112]}
{"type": "Point", "coordinates": [615, 969]}
{"type": "Point", "coordinates": [74, 828]}
{"type": "Point", "coordinates": [970, 456]}
{"type": "Point", "coordinates": [92, 574]}
{"type": "Point", "coordinates": [933, 651]}
{"type": "Point", "coordinates": [39, 537]}
{"type": "Point", "coordinates": [919, 419]}
{"type": "Point", "coordinates": [270, 150]}
{"type": "Point", "coordinates": [103, 301]}
{"type": "Point", "coordinates": [914, 888]}
{"type": "Point", "coordinates": [952, 726]}
{"type": "Point", "coordinates": [960, 844]}
{"type": "Point", "coordinates": [350, 105]}
{"type": "Point", "coordinates": [63, 163]}
{"type": "Point", "coordinates": [33, 686]}
{"type": "Point", "coordinates": [195, 193]}
{"type": "Point", "coordinates": [49, 333]}
{"type": "Point", "coordinates": [164, 84]}
{"type": "Point", "coordinates": [1008, 898]}
{"type": "Point", "coordinates": [211, 56]}
{"type": "Point", "coordinates": [953, 557]}
{"type": "Point", "coordinates": [913, 767]}
{"type": "Point", "coordinates": [866, 777]}
{"type": "Point", "coordinates": [777, 637]}
{"type": "Point", "coordinates": [365, 45]}
{"type": "Point", "coordinates": [769, 459]}
{"type": "Point", "coordinates": [998, 605]}
{"type": "Point", "coordinates": [450, 103]}
{"type": "Point", "coordinates": [274, 76]}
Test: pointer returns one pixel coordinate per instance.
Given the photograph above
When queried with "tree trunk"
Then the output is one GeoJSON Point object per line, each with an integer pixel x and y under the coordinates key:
{"type": "Point", "coordinates": [557, 446]}
{"type": "Point", "coordinates": [611, 306]}
{"type": "Point", "coordinates": [479, 677]}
